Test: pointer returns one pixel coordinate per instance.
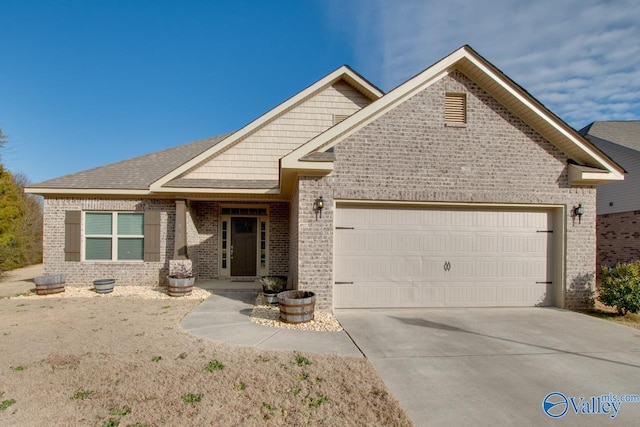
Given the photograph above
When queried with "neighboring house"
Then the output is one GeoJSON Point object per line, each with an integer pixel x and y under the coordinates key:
{"type": "Point", "coordinates": [457, 188]}
{"type": "Point", "coordinates": [618, 211]}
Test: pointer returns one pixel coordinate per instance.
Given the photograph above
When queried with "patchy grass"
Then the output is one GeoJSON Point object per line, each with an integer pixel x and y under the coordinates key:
{"type": "Point", "coordinates": [609, 313]}
{"type": "Point", "coordinates": [192, 398]}
{"type": "Point", "coordinates": [6, 403]}
{"type": "Point", "coordinates": [214, 365]}
{"type": "Point", "coordinates": [196, 381]}
{"type": "Point", "coordinates": [82, 394]}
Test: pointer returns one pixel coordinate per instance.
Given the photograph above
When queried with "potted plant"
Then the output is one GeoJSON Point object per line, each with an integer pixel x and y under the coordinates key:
{"type": "Point", "coordinates": [181, 279]}
{"type": "Point", "coordinates": [272, 286]}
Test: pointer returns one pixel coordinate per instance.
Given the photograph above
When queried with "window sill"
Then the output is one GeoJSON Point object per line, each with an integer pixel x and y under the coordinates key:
{"type": "Point", "coordinates": [455, 125]}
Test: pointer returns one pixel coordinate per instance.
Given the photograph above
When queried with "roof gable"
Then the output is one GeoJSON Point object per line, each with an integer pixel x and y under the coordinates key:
{"type": "Point", "coordinates": [493, 81]}
{"type": "Point", "coordinates": [343, 73]}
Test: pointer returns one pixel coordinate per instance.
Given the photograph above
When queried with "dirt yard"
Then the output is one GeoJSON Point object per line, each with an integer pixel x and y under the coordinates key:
{"type": "Point", "coordinates": [126, 361]}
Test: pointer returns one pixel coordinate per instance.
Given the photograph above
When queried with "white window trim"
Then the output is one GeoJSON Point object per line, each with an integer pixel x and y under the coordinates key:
{"type": "Point", "coordinates": [114, 236]}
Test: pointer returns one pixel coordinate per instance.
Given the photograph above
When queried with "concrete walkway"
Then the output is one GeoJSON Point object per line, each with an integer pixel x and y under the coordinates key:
{"type": "Point", "coordinates": [19, 281]}
{"type": "Point", "coordinates": [224, 317]}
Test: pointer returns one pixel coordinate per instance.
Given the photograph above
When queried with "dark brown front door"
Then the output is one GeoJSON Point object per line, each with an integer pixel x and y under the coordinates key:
{"type": "Point", "coordinates": [244, 238]}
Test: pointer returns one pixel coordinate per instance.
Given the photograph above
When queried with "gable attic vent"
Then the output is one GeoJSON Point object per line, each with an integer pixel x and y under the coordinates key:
{"type": "Point", "coordinates": [455, 108]}
{"type": "Point", "coordinates": [337, 118]}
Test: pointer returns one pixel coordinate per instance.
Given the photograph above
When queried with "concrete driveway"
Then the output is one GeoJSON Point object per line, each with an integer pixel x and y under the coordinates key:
{"type": "Point", "coordinates": [494, 367]}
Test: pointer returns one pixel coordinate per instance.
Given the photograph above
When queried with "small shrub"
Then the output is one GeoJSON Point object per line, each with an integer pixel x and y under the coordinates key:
{"type": "Point", "coordinates": [18, 368]}
{"type": "Point", "coordinates": [620, 287]}
{"type": "Point", "coordinates": [156, 358]}
{"type": "Point", "coordinates": [182, 356]}
{"type": "Point", "coordinates": [192, 398]}
{"type": "Point", "coordinates": [302, 377]}
{"type": "Point", "coordinates": [214, 365]}
{"type": "Point", "coordinates": [239, 386]}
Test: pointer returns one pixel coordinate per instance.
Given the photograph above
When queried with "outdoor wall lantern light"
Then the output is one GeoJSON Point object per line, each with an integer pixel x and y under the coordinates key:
{"type": "Point", "coordinates": [318, 205]}
{"type": "Point", "coordinates": [578, 211]}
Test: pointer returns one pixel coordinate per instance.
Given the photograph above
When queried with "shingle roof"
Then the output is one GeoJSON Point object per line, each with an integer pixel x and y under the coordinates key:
{"type": "Point", "coordinates": [624, 133]}
{"type": "Point", "coordinates": [133, 174]}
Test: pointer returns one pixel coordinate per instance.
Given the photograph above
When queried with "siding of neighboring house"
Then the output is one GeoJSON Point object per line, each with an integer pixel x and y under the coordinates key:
{"type": "Point", "coordinates": [618, 221]}
{"type": "Point", "coordinates": [256, 156]}
{"type": "Point", "coordinates": [618, 237]}
{"type": "Point", "coordinates": [409, 154]}
{"type": "Point", "coordinates": [622, 196]}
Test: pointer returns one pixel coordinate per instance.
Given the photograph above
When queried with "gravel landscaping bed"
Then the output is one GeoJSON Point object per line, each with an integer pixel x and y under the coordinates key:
{"type": "Point", "coordinates": [144, 292]}
{"type": "Point", "coordinates": [269, 315]}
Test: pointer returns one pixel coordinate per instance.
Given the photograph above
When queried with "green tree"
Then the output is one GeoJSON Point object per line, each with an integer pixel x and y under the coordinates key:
{"type": "Point", "coordinates": [3, 139]}
{"type": "Point", "coordinates": [20, 221]}
{"type": "Point", "coordinates": [11, 213]}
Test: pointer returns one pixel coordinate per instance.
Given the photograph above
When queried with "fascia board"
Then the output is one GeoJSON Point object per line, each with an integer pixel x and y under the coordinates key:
{"type": "Point", "coordinates": [87, 191]}
{"type": "Point", "coordinates": [264, 119]}
{"type": "Point", "coordinates": [219, 190]}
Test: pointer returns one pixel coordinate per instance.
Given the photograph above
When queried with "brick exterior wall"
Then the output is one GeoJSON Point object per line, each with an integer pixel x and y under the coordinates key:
{"type": "Point", "coordinates": [279, 239]}
{"type": "Point", "coordinates": [410, 154]}
{"type": "Point", "coordinates": [125, 273]}
{"type": "Point", "coordinates": [293, 237]}
{"type": "Point", "coordinates": [202, 237]}
{"type": "Point", "coordinates": [202, 240]}
{"type": "Point", "coordinates": [618, 237]}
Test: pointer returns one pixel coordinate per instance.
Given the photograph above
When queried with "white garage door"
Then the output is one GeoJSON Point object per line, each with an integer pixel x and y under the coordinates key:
{"type": "Point", "coordinates": [413, 257]}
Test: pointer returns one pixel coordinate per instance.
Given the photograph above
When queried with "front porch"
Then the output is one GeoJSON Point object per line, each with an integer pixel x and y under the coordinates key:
{"type": "Point", "coordinates": [229, 284]}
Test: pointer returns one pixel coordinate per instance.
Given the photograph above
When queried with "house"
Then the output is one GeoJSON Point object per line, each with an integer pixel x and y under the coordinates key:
{"type": "Point", "coordinates": [455, 189]}
{"type": "Point", "coordinates": [618, 203]}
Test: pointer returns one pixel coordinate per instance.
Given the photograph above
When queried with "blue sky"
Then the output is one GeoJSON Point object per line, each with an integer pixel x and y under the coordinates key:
{"type": "Point", "coordinates": [85, 83]}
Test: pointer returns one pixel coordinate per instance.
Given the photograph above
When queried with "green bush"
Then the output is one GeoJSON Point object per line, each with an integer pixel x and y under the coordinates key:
{"type": "Point", "coordinates": [620, 287]}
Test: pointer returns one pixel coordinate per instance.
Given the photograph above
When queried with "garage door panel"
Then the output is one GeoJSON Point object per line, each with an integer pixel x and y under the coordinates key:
{"type": "Point", "coordinates": [395, 257]}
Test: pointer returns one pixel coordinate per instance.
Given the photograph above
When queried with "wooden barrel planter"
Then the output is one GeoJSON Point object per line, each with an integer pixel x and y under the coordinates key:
{"type": "Point", "coordinates": [296, 306]}
{"type": "Point", "coordinates": [104, 286]}
{"type": "Point", "coordinates": [180, 287]}
{"type": "Point", "coordinates": [51, 284]}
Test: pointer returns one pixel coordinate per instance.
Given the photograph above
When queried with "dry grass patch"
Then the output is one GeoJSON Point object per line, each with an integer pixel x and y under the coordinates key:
{"type": "Point", "coordinates": [610, 313]}
{"type": "Point", "coordinates": [126, 361]}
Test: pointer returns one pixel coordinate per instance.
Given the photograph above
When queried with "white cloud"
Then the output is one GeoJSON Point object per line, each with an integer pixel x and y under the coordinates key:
{"type": "Point", "coordinates": [581, 58]}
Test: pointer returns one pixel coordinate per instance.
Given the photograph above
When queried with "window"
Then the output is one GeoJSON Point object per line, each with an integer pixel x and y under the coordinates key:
{"type": "Point", "coordinates": [455, 108]}
{"type": "Point", "coordinates": [225, 240]}
{"type": "Point", "coordinates": [114, 236]}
